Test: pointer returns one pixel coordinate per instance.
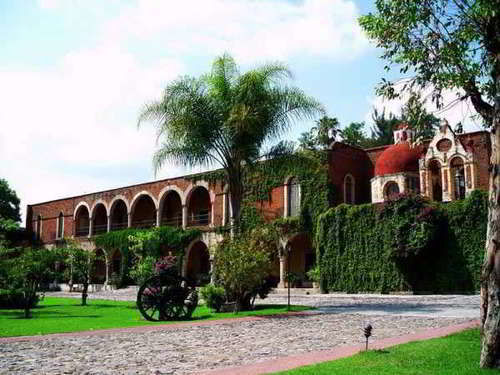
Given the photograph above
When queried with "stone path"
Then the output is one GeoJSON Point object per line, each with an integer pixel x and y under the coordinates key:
{"type": "Point", "coordinates": [218, 344]}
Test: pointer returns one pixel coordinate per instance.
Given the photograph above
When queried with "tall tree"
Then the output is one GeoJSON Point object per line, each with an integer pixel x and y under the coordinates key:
{"type": "Point", "coordinates": [454, 45]}
{"type": "Point", "coordinates": [226, 117]}
{"type": "Point", "coordinates": [353, 134]}
{"type": "Point", "coordinates": [320, 135]}
{"type": "Point", "coordinates": [9, 213]}
{"type": "Point", "coordinates": [382, 130]}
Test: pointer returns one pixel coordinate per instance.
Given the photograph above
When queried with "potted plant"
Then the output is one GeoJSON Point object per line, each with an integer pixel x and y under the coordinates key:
{"type": "Point", "coordinates": [314, 275]}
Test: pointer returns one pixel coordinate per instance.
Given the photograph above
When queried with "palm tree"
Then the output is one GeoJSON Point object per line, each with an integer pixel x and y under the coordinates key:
{"type": "Point", "coordinates": [225, 118]}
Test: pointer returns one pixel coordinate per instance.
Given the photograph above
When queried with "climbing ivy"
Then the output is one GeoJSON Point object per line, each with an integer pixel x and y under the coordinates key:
{"type": "Point", "coordinates": [406, 245]}
{"type": "Point", "coordinates": [153, 241]}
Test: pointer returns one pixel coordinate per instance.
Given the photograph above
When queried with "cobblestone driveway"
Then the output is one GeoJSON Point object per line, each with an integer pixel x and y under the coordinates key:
{"type": "Point", "coordinates": [189, 349]}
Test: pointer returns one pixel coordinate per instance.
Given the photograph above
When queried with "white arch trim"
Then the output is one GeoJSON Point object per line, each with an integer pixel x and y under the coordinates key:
{"type": "Point", "coordinates": [188, 253]}
{"type": "Point", "coordinates": [138, 196]}
{"type": "Point", "coordinates": [115, 200]}
{"type": "Point", "coordinates": [99, 201]}
{"type": "Point", "coordinates": [166, 190]}
{"type": "Point", "coordinates": [78, 206]}
{"type": "Point", "coordinates": [198, 184]}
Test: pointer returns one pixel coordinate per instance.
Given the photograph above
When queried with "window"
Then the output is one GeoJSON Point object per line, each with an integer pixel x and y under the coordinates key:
{"type": "Point", "coordinates": [413, 184]}
{"type": "Point", "coordinates": [391, 190]}
{"type": "Point", "coordinates": [349, 189]}
{"type": "Point", "coordinates": [38, 234]}
{"type": "Point", "coordinates": [60, 226]}
{"type": "Point", "coordinates": [458, 176]}
{"type": "Point", "coordinates": [293, 197]}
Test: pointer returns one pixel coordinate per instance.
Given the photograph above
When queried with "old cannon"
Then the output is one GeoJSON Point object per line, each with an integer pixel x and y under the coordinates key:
{"type": "Point", "coordinates": [167, 296]}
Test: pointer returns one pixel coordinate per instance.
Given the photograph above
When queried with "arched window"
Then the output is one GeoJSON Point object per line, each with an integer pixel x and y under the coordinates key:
{"type": "Point", "coordinates": [458, 178]}
{"type": "Point", "coordinates": [38, 234]}
{"type": "Point", "coordinates": [435, 180]}
{"type": "Point", "coordinates": [293, 197]}
{"type": "Point", "coordinates": [391, 190]}
{"type": "Point", "coordinates": [60, 226]}
{"type": "Point", "coordinates": [349, 197]}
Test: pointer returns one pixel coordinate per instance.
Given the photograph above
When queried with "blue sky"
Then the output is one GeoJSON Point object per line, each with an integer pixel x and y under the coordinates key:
{"type": "Point", "coordinates": [74, 74]}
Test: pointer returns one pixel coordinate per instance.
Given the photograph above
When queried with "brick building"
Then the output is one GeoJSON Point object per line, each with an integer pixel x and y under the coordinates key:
{"type": "Point", "coordinates": [445, 168]}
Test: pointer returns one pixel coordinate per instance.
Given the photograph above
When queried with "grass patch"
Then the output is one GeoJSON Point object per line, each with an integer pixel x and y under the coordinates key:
{"type": "Point", "coordinates": [56, 315]}
{"type": "Point", "coordinates": [457, 354]}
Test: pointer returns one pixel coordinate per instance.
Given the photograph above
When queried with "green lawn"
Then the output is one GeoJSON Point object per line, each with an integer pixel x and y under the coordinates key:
{"type": "Point", "coordinates": [55, 315]}
{"type": "Point", "coordinates": [457, 354]}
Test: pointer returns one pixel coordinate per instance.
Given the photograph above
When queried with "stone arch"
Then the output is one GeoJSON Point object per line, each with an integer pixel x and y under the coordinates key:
{"type": "Point", "coordinates": [82, 219]}
{"type": "Point", "coordinates": [117, 198]}
{"type": "Point", "coordinates": [390, 189]}
{"type": "Point", "coordinates": [94, 206]}
{"type": "Point", "coordinates": [457, 171]}
{"type": "Point", "coordinates": [196, 265]}
{"type": "Point", "coordinates": [199, 203]}
{"type": "Point", "coordinates": [99, 274]}
{"type": "Point", "coordinates": [99, 218]}
{"type": "Point", "coordinates": [170, 207]}
{"type": "Point", "coordinates": [143, 210]}
{"type": "Point", "coordinates": [167, 189]}
{"type": "Point", "coordinates": [434, 167]}
{"type": "Point", "coordinates": [118, 213]}
{"type": "Point", "coordinates": [116, 262]}
{"type": "Point", "coordinates": [302, 258]}
{"type": "Point", "coordinates": [349, 189]}
{"type": "Point", "coordinates": [78, 206]}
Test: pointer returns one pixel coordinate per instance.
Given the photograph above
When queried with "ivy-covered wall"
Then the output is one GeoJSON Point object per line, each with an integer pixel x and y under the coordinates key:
{"type": "Point", "coordinates": [405, 245]}
{"type": "Point", "coordinates": [316, 190]}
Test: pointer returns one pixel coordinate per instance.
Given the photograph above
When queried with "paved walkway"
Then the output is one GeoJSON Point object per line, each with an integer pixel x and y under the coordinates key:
{"type": "Point", "coordinates": [216, 345]}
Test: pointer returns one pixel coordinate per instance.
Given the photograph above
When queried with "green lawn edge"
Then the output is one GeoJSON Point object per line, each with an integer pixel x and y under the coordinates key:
{"type": "Point", "coordinates": [63, 315]}
{"type": "Point", "coordinates": [456, 354]}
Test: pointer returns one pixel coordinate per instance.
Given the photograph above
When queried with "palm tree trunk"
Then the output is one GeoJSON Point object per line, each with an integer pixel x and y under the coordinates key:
{"type": "Point", "coordinates": [490, 277]}
{"type": "Point", "coordinates": [236, 189]}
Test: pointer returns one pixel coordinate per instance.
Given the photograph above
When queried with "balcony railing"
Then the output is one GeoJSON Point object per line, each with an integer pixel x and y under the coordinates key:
{"type": "Point", "coordinates": [82, 231]}
{"type": "Point", "coordinates": [144, 223]}
{"type": "Point", "coordinates": [175, 221]}
{"type": "Point", "coordinates": [118, 226]}
{"type": "Point", "coordinates": [198, 219]}
{"type": "Point", "coordinates": [101, 228]}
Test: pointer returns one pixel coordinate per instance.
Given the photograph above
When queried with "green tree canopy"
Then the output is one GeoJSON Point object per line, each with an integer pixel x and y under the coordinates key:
{"type": "Point", "coordinates": [453, 45]}
{"type": "Point", "coordinates": [9, 202]}
{"type": "Point", "coordinates": [226, 117]}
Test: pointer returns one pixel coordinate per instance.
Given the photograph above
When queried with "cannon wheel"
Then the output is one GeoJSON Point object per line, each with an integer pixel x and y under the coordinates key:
{"type": "Point", "coordinates": [167, 297]}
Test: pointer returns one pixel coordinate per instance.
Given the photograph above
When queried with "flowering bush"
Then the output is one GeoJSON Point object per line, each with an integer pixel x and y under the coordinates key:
{"type": "Point", "coordinates": [166, 264]}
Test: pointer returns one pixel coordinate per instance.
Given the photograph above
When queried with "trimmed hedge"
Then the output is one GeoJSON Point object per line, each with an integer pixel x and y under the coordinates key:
{"type": "Point", "coordinates": [406, 245]}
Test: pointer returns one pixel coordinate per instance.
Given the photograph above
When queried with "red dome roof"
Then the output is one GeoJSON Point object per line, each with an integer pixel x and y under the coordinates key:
{"type": "Point", "coordinates": [398, 158]}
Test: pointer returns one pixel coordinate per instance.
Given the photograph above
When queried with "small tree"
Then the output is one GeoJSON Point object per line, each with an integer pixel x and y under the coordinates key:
{"type": "Point", "coordinates": [27, 269]}
{"type": "Point", "coordinates": [82, 264]}
{"type": "Point", "coordinates": [243, 264]}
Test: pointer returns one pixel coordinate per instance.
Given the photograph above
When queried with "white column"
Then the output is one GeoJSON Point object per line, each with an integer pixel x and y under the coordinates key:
{"type": "Point", "coordinates": [282, 271]}
{"type": "Point", "coordinates": [184, 217]}
{"type": "Point", "coordinates": [129, 219]}
{"type": "Point", "coordinates": [158, 218]}
{"type": "Point", "coordinates": [91, 226]}
{"type": "Point", "coordinates": [108, 229]}
{"type": "Point", "coordinates": [212, 273]}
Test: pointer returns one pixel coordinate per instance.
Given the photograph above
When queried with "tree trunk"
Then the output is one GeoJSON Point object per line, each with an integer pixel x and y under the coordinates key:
{"type": "Point", "coordinates": [85, 293]}
{"type": "Point", "coordinates": [236, 190]}
{"type": "Point", "coordinates": [490, 276]}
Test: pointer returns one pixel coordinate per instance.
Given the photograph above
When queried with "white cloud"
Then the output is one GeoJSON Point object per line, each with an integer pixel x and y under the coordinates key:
{"type": "Point", "coordinates": [250, 30]}
{"type": "Point", "coordinates": [460, 112]}
{"type": "Point", "coordinates": [58, 125]}
{"type": "Point", "coordinates": [79, 115]}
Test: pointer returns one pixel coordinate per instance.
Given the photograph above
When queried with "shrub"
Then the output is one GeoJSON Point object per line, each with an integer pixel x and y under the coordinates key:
{"type": "Point", "coordinates": [242, 265]}
{"type": "Point", "coordinates": [314, 274]}
{"type": "Point", "coordinates": [214, 296]}
{"type": "Point", "coordinates": [14, 299]}
{"type": "Point", "coordinates": [143, 269]}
